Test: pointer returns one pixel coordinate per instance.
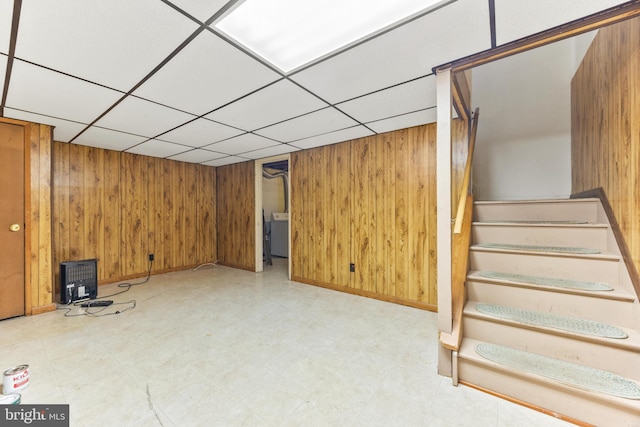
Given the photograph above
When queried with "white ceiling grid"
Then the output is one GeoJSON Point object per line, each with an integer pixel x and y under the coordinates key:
{"type": "Point", "coordinates": [518, 19]}
{"type": "Point", "coordinates": [148, 76]}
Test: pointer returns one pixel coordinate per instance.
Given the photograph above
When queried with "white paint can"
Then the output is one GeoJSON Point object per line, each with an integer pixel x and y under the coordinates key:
{"type": "Point", "coordinates": [10, 399]}
{"type": "Point", "coordinates": [15, 379]}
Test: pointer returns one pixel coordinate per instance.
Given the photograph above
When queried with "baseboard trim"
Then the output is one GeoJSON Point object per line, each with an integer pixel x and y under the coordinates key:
{"type": "Point", "coordinates": [528, 405]}
{"type": "Point", "coordinates": [368, 294]}
{"type": "Point", "coordinates": [43, 309]}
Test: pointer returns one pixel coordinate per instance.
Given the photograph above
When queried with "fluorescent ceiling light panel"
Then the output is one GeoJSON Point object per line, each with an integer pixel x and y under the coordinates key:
{"type": "Point", "coordinates": [291, 33]}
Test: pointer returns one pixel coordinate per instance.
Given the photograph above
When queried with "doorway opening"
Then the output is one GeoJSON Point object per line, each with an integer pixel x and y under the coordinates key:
{"type": "Point", "coordinates": [272, 212]}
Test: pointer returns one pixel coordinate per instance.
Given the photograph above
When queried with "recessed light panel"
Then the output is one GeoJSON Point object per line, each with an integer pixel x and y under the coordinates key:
{"type": "Point", "coordinates": [291, 33]}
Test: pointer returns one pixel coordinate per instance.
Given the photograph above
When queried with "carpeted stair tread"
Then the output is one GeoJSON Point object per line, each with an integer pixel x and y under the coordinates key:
{"type": "Point", "coordinates": [583, 377]}
{"type": "Point", "coordinates": [582, 285]}
{"type": "Point", "coordinates": [549, 320]}
{"type": "Point", "coordinates": [535, 248]}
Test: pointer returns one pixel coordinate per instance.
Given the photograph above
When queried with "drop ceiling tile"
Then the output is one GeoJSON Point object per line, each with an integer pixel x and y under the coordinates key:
{"type": "Point", "coordinates": [42, 91]}
{"type": "Point", "coordinates": [199, 133]}
{"type": "Point", "coordinates": [225, 161]}
{"type": "Point", "coordinates": [405, 53]}
{"type": "Point", "coordinates": [108, 139]}
{"type": "Point", "coordinates": [140, 117]}
{"type": "Point", "coordinates": [241, 144]}
{"type": "Point", "coordinates": [405, 98]}
{"type": "Point", "coordinates": [275, 103]}
{"type": "Point", "coordinates": [271, 151]}
{"type": "Point", "coordinates": [200, 9]}
{"type": "Point", "coordinates": [197, 156]}
{"type": "Point", "coordinates": [316, 123]}
{"type": "Point", "coordinates": [404, 121]}
{"type": "Point", "coordinates": [111, 43]}
{"type": "Point", "coordinates": [155, 148]}
{"type": "Point", "coordinates": [63, 130]}
{"type": "Point", "coordinates": [6, 18]}
{"type": "Point", "coordinates": [333, 137]}
{"type": "Point", "coordinates": [206, 74]}
{"type": "Point", "coordinates": [518, 19]}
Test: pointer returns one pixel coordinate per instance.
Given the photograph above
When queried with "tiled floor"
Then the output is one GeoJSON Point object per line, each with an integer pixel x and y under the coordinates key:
{"type": "Point", "coordinates": [225, 347]}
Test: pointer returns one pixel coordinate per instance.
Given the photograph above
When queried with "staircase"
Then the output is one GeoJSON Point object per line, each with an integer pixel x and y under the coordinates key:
{"type": "Point", "coordinates": [551, 319]}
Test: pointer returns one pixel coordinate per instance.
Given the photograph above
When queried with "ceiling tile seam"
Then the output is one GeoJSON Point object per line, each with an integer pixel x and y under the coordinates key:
{"type": "Point", "coordinates": [385, 88]}
{"type": "Point", "coordinates": [202, 116]}
{"type": "Point", "coordinates": [368, 38]}
{"type": "Point", "coordinates": [263, 148]}
{"type": "Point", "coordinates": [26, 61]}
{"type": "Point", "coordinates": [401, 114]}
{"type": "Point", "coordinates": [289, 119]}
{"type": "Point", "coordinates": [355, 120]}
{"type": "Point", "coordinates": [247, 52]}
{"type": "Point", "coordinates": [15, 23]}
{"type": "Point", "coordinates": [48, 115]}
{"type": "Point", "coordinates": [183, 12]}
{"type": "Point", "coordinates": [157, 68]}
{"type": "Point", "coordinates": [292, 143]}
{"type": "Point", "coordinates": [243, 134]}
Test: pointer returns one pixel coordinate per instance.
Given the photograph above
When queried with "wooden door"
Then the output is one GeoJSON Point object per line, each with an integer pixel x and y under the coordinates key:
{"type": "Point", "coordinates": [12, 255]}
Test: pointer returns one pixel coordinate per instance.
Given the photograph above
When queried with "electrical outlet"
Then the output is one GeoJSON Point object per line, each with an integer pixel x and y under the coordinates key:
{"type": "Point", "coordinates": [352, 267]}
{"type": "Point", "coordinates": [151, 258]}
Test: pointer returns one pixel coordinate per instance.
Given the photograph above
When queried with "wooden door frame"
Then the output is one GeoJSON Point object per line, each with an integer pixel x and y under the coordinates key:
{"type": "Point", "coordinates": [26, 126]}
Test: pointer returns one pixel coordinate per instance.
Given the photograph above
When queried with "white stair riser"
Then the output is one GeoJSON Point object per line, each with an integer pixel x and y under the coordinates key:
{"type": "Point", "coordinates": [547, 395]}
{"type": "Point", "coordinates": [573, 236]}
{"type": "Point", "coordinates": [566, 267]}
{"type": "Point", "coordinates": [623, 362]}
{"type": "Point", "coordinates": [584, 307]}
{"type": "Point", "coordinates": [565, 210]}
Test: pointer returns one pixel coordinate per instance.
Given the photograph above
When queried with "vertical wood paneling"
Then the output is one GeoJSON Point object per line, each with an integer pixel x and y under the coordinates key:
{"type": "Point", "coordinates": [205, 210]}
{"type": "Point", "coordinates": [401, 215]}
{"type": "Point", "coordinates": [119, 207]}
{"type": "Point", "coordinates": [93, 193]}
{"type": "Point", "coordinates": [343, 221]}
{"type": "Point", "coordinates": [605, 125]}
{"type": "Point", "coordinates": [109, 258]}
{"type": "Point", "coordinates": [330, 213]}
{"type": "Point", "coordinates": [368, 202]}
{"type": "Point", "coordinates": [297, 195]}
{"type": "Point", "coordinates": [235, 199]}
{"type": "Point", "coordinates": [76, 209]}
{"type": "Point", "coordinates": [417, 218]}
{"type": "Point", "coordinates": [61, 206]}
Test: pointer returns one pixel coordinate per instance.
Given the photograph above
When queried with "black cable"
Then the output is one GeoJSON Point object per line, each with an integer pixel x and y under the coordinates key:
{"type": "Point", "coordinates": [126, 285]}
{"type": "Point", "coordinates": [97, 312]}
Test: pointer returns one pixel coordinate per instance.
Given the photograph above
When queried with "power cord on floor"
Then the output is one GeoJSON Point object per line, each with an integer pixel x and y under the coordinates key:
{"type": "Point", "coordinates": [96, 313]}
{"type": "Point", "coordinates": [206, 264]}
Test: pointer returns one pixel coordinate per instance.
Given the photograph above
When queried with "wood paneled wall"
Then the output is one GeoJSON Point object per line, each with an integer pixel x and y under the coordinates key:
{"type": "Point", "coordinates": [236, 215]}
{"type": "Point", "coordinates": [120, 207]}
{"type": "Point", "coordinates": [370, 202]}
{"type": "Point", "coordinates": [40, 285]}
{"type": "Point", "coordinates": [605, 125]}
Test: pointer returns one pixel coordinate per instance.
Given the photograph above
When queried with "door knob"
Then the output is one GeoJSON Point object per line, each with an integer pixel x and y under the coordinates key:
{"type": "Point", "coordinates": [14, 227]}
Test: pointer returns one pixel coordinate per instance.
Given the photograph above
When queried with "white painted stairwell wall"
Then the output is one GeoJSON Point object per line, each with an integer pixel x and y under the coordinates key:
{"type": "Point", "coordinates": [523, 146]}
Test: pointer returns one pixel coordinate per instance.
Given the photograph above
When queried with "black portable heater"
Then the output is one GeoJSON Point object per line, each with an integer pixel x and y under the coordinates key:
{"type": "Point", "coordinates": [78, 280]}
